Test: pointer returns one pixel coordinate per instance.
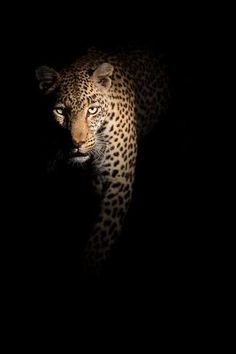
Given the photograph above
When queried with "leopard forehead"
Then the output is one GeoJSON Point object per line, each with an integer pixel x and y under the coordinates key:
{"type": "Point", "coordinates": [77, 90]}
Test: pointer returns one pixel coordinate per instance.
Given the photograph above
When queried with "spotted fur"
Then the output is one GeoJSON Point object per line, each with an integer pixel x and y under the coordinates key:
{"type": "Point", "coordinates": [107, 102]}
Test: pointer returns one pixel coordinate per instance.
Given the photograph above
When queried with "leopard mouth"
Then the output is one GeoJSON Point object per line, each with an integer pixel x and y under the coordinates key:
{"type": "Point", "coordinates": [77, 156]}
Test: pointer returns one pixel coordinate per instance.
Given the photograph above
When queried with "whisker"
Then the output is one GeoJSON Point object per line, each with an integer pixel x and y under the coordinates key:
{"type": "Point", "coordinates": [99, 149]}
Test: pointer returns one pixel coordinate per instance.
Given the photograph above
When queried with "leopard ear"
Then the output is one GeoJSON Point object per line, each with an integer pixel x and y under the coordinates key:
{"type": "Point", "coordinates": [102, 75]}
{"type": "Point", "coordinates": [48, 79]}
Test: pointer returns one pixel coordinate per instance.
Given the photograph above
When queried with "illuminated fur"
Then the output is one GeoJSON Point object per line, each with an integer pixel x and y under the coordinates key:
{"type": "Point", "coordinates": [107, 102]}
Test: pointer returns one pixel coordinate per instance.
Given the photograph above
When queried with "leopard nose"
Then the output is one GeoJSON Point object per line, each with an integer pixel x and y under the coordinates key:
{"type": "Point", "coordinates": [77, 144]}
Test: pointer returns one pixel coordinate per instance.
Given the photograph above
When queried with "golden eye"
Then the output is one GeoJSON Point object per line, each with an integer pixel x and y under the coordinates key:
{"type": "Point", "coordinates": [93, 110]}
{"type": "Point", "coordinates": [59, 111]}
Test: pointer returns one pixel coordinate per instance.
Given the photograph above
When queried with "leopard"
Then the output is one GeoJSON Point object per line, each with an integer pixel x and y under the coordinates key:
{"type": "Point", "coordinates": [107, 102]}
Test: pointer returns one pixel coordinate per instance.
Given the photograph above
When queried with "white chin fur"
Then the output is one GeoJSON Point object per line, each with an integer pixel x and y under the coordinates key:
{"type": "Point", "coordinates": [79, 159]}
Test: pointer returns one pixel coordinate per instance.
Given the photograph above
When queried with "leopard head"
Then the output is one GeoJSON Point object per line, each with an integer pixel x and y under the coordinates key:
{"type": "Point", "coordinates": [80, 104]}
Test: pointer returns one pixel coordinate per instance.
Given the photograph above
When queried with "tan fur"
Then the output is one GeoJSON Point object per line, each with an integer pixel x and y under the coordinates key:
{"type": "Point", "coordinates": [131, 92]}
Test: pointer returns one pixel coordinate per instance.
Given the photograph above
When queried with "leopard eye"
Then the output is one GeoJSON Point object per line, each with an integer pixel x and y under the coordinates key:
{"type": "Point", "coordinates": [59, 111]}
{"type": "Point", "coordinates": [93, 110]}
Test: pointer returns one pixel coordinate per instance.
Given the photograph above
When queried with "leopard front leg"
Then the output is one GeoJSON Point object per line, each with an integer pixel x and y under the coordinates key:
{"type": "Point", "coordinates": [116, 196]}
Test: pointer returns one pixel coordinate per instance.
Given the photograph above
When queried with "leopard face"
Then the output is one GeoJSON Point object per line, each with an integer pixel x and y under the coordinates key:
{"type": "Point", "coordinates": [81, 106]}
{"type": "Point", "coordinates": [83, 118]}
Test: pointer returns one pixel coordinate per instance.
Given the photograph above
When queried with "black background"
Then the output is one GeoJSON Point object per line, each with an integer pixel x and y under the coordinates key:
{"type": "Point", "coordinates": [161, 246]}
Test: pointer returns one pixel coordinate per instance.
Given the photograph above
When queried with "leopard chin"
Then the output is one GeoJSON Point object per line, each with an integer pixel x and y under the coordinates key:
{"type": "Point", "coordinates": [79, 159]}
